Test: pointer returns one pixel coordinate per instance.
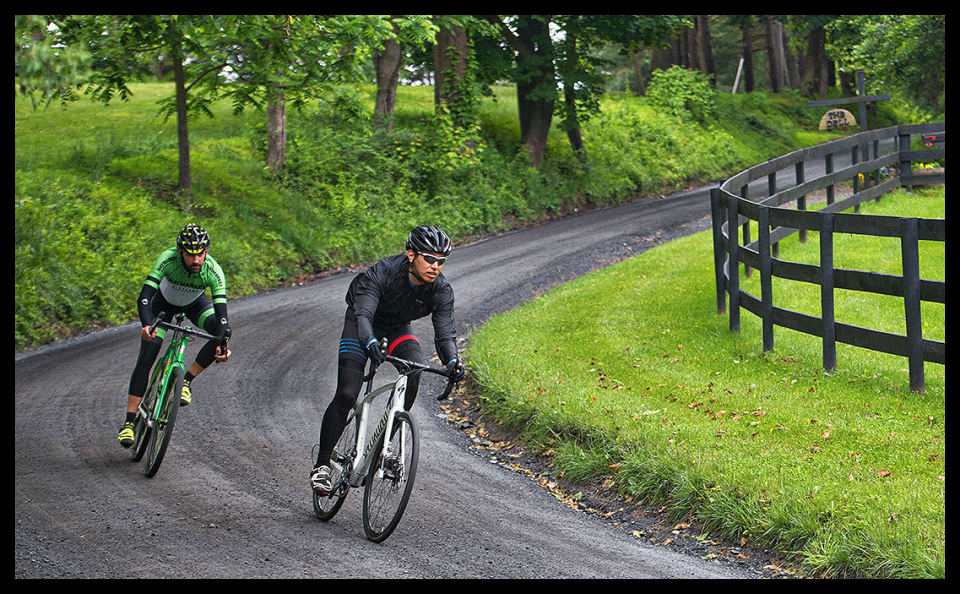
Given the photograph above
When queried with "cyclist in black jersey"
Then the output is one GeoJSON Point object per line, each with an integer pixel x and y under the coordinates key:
{"type": "Point", "coordinates": [381, 303]}
{"type": "Point", "coordinates": [178, 283]}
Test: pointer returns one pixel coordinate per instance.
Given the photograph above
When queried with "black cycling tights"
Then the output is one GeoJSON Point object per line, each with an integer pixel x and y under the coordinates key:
{"type": "Point", "coordinates": [401, 343]}
{"type": "Point", "coordinates": [199, 310]}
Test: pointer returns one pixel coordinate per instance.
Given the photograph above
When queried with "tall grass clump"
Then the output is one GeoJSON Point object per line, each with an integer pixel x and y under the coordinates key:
{"type": "Point", "coordinates": [631, 377]}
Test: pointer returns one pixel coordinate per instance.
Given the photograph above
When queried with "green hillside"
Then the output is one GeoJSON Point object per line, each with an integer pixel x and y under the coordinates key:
{"type": "Point", "coordinates": [93, 200]}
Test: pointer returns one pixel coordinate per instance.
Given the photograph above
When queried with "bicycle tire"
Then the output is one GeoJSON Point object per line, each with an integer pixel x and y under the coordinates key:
{"type": "Point", "coordinates": [163, 428]}
{"type": "Point", "coordinates": [344, 453]}
{"type": "Point", "coordinates": [142, 430]}
{"type": "Point", "coordinates": [385, 497]}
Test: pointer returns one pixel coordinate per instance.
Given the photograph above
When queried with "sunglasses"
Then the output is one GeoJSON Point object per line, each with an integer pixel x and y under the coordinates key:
{"type": "Point", "coordinates": [431, 260]}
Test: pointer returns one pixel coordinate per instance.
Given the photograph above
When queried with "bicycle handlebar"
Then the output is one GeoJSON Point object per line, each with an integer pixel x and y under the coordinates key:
{"type": "Point", "coordinates": [186, 330]}
{"type": "Point", "coordinates": [446, 372]}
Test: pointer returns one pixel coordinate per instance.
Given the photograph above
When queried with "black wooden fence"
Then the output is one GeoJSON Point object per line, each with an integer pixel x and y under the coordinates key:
{"type": "Point", "coordinates": [870, 153]}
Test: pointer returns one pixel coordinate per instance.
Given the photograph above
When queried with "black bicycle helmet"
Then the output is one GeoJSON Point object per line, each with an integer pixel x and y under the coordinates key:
{"type": "Point", "coordinates": [193, 239]}
{"type": "Point", "coordinates": [429, 239]}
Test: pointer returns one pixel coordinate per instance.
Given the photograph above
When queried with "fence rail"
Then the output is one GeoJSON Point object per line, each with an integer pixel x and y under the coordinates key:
{"type": "Point", "coordinates": [869, 153]}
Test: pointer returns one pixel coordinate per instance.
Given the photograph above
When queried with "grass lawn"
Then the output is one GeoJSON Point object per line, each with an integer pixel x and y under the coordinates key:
{"type": "Point", "coordinates": [648, 387]}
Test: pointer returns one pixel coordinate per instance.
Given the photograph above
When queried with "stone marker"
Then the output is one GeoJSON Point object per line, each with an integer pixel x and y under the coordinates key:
{"type": "Point", "coordinates": [837, 118]}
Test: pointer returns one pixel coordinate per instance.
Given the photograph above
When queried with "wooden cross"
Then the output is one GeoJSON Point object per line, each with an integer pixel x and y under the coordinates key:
{"type": "Point", "coordinates": [860, 98]}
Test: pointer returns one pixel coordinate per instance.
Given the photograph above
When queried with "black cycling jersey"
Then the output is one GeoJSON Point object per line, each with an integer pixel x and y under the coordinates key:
{"type": "Point", "coordinates": [384, 298]}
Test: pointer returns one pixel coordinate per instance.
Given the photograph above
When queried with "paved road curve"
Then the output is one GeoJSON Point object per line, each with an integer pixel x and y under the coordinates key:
{"type": "Point", "coordinates": [231, 499]}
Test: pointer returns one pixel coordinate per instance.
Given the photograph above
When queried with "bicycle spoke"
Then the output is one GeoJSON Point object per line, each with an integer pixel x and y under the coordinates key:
{"type": "Point", "coordinates": [390, 480]}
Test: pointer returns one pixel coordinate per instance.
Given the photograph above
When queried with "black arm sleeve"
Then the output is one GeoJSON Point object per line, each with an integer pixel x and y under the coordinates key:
{"type": "Point", "coordinates": [220, 311]}
{"type": "Point", "coordinates": [445, 327]}
{"type": "Point", "coordinates": [366, 290]}
{"type": "Point", "coordinates": [143, 304]}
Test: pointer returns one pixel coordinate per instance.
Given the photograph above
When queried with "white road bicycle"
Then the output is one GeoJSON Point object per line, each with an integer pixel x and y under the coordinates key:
{"type": "Point", "coordinates": [383, 462]}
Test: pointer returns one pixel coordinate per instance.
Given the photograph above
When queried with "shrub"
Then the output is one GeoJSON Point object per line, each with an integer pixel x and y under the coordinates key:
{"type": "Point", "coordinates": [682, 92]}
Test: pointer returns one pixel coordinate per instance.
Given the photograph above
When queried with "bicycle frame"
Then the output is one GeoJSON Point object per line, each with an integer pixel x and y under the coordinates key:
{"type": "Point", "coordinates": [172, 359]}
{"type": "Point", "coordinates": [363, 455]}
{"type": "Point", "coordinates": [365, 444]}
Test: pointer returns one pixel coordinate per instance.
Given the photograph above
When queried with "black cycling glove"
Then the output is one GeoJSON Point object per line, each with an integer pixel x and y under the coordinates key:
{"type": "Point", "coordinates": [458, 372]}
{"type": "Point", "coordinates": [374, 352]}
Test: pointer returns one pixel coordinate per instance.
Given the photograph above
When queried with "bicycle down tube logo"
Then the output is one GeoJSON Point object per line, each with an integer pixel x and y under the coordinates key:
{"type": "Point", "coordinates": [400, 388]}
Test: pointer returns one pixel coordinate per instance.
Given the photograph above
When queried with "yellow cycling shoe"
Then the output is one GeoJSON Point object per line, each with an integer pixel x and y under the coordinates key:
{"type": "Point", "coordinates": [126, 436]}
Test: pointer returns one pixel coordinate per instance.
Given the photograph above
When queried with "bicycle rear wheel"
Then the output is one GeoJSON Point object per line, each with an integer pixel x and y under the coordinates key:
{"type": "Point", "coordinates": [341, 465]}
{"type": "Point", "coordinates": [163, 427]}
{"type": "Point", "coordinates": [390, 479]}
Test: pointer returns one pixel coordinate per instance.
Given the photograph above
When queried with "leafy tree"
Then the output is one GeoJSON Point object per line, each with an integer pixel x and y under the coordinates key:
{"type": "Point", "coordinates": [46, 67]}
{"type": "Point", "coordinates": [583, 74]}
{"type": "Point", "coordinates": [391, 35]}
{"type": "Point", "coordinates": [905, 54]}
{"type": "Point", "coordinates": [196, 47]}
{"type": "Point", "coordinates": [528, 36]}
{"type": "Point", "coordinates": [541, 64]}
{"type": "Point", "coordinates": [278, 59]}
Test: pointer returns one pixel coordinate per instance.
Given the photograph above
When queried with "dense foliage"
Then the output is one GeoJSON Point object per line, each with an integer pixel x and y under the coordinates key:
{"type": "Point", "coordinates": [93, 199]}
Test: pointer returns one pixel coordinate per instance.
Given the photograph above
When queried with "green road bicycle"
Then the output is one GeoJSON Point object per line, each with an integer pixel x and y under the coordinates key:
{"type": "Point", "coordinates": [383, 463]}
{"type": "Point", "coordinates": [157, 412]}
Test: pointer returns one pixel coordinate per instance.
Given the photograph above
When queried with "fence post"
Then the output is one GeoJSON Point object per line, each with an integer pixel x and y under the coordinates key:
{"type": "Point", "coordinates": [733, 265]}
{"type": "Point", "coordinates": [855, 160]}
{"type": "Point", "coordinates": [716, 211]}
{"type": "Point", "coordinates": [904, 168]}
{"type": "Point", "coordinates": [801, 200]}
{"type": "Point", "coordinates": [827, 316]}
{"type": "Point", "coordinates": [766, 282]}
{"type": "Point", "coordinates": [828, 169]}
{"type": "Point", "coordinates": [771, 190]}
{"type": "Point", "coordinates": [910, 250]}
{"type": "Point", "coordinates": [746, 230]}
{"type": "Point", "coordinates": [876, 172]}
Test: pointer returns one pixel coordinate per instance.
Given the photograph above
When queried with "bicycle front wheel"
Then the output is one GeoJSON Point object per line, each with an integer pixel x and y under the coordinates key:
{"type": "Point", "coordinates": [163, 425]}
{"type": "Point", "coordinates": [390, 478]}
{"type": "Point", "coordinates": [142, 429]}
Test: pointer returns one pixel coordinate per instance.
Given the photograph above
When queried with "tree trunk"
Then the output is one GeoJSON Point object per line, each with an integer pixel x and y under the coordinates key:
{"type": "Point", "coordinates": [639, 87]}
{"type": "Point", "coordinates": [449, 73]}
{"type": "Point", "coordinates": [183, 135]}
{"type": "Point", "coordinates": [748, 60]}
{"type": "Point", "coordinates": [773, 55]}
{"type": "Point", "coordinates": [387, 65]}
{"type": "Point", "coordinates": [536, 87]}
{"type": "Point", "coordinates": [571, 121]}
{"type": "Point", "coordinates": [705, 43]}
{"type": "Point", "coordinates": [535, 78]}
{"type": "Point", "coordinates": [815, 65]}
{"type": "Point", "coordinates": [449, 65]}
{"type": "Point", "coordinates": [277, 133]}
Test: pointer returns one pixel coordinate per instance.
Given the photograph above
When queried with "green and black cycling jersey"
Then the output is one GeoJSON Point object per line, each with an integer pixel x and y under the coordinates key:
{"type": "Point", "coordinates": [172, 289]}
{"type": "Point", "coordinates": [180, 288]}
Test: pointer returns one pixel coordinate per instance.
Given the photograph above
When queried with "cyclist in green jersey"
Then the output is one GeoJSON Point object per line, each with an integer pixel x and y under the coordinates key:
{"type": "Point", "coordinates": [178, 283]}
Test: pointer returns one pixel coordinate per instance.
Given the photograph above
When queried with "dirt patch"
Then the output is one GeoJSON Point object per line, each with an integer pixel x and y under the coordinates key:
{"type": "Point", "coordinates": [490, 440]}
